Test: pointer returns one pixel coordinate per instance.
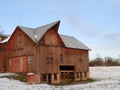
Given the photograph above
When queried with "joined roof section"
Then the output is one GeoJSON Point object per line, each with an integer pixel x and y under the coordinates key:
{"type": "Point", "coordinates": [37, 33]}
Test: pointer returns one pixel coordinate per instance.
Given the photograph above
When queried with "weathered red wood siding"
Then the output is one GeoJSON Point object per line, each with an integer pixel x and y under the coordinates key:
{"type": "Point", "coordinates": [45, 56]}
{"type": "Point", "coordinates": [78, 58]}
{"type": "Point", "coordinates": [50, 47]}
{"type": "Point", "coordinates": [20, 45]}
{"type": "Point", "coordinates": [2, 38]}
{"type": "Point", "coordinates": [2, 62]}
{"type": "Point", "coordinates": [2, 56]}
{"type": "Point", "coordinates": [18, 64]}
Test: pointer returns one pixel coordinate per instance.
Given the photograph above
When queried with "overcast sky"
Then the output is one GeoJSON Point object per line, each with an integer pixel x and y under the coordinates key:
{"type": "Point", "coordinates": [96, 23]}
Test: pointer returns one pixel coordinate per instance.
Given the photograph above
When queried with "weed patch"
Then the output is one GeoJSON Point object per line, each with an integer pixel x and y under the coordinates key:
{"type": "Point", "coordinates": [19, 76]}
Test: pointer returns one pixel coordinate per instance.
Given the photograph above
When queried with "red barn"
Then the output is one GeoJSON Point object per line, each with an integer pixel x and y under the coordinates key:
{"type": "Point", "coordinates": [49, 56]}
{"type": "Point", "coordinates": [2, 51]}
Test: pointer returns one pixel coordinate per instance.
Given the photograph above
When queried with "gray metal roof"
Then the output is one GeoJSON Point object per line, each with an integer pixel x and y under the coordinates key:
{"type": "Point", "coordinates": [28, 31]}
{"type": "Point", "coordinates": [69, 41]}
{"type": "Point", "coordinates": [72, 42]}
{"type": "Point", "coordinates": [5, 40]}
{"type": "Point", "coordinates": [40, 31]}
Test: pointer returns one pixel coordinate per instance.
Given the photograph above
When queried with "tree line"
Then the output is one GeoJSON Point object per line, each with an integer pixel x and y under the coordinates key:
{"type": "Point", "coordinates": [107, 61]}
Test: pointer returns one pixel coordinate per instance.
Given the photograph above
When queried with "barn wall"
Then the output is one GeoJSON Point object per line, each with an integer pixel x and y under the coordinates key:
{"type": "Point", "coordinates": [2, 62]}
{"type": "Point", "coordinates": [49, 52]}
{"type": "Point", "coordinates": [18, 64]}
{"type": "Point", "coordinates": [2, 57]}
{"type": "Point", "coordinates": [51, 55]}
{"type": "Point", "coordinates": [79, 58]}
{"type": "Point", "coordinates": [53, 39]}
{"type": "Point", "coordinates": [20, 45]}
{"type": "Point", "coordinates": [2, 38]}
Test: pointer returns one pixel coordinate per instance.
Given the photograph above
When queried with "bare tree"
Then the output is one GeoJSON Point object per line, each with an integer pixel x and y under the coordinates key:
{"type": "Point", "coordinates": [107, 61]}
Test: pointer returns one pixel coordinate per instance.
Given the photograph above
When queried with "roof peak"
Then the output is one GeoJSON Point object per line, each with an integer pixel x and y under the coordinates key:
{"type": "Point", "coordinates": [39, 31]}
{"type": "Point", "coordinates": [53, 23]}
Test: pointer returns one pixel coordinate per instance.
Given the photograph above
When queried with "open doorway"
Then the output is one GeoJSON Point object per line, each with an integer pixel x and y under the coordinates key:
{"type": "Point", "coordinates": [49, 78]}
{"type": "Point", "coordinates": [66, 73]}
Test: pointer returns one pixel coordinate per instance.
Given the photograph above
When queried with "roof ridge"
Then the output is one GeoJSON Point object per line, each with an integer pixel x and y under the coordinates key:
{"type": "Point", "coordinates": [48, 24]}
{"type": "Point", "coordinates": [65, 35]}
{"type": "Point", "coordinates": [39, 31]}
{"type": "Point", "coordinates": [25, 27]}
{"type": "Point", "coordinates": [72, 42]}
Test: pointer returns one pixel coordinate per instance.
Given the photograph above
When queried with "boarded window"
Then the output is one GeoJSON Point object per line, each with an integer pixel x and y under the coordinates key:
{"type": "Point", "coordinates": [29, 59]}
{"type": "Point", "coordinates": [49, 59]}
{"type": "Point", "coordinates": [49, 56]}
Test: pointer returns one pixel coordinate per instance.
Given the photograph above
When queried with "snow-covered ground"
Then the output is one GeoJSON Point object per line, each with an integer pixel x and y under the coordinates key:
{"type": "Point", "coordinates": [108, 79]}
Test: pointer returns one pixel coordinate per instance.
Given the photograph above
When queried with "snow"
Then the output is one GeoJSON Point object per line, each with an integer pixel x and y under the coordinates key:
{"type": "Point", "coordinates": [30, 74]}
{"type": "Point", "coordinates": [5, 40]}
{"type": "Point", "coordinates": [108, 78]}
{"type": "Point", "coordinates": [6, 74]}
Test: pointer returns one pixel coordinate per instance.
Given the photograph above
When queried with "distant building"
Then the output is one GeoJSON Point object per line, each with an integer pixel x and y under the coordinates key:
{"type": "Point", "coordinates": [45, 55]}
{"type": "Point", "coordinates": [3, 36]}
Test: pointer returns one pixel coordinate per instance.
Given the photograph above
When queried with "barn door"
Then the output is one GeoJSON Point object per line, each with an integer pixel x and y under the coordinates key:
{"type": "Point", "coordinates": [18, 64]}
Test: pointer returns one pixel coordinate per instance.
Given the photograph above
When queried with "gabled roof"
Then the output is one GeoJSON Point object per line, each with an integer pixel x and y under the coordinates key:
{"type": "Point", "coordinates": [69, 41]}
{"type": "Point", "coordinates": [72, 42]}
{"type": "Point", "coordinates": [5, 40]}
{"type": "Point", "coordinates": [40, 31]}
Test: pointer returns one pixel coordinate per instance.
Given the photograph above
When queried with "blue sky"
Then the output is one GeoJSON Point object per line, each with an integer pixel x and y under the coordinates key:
{"type": "Point", "coordinates": [96, 23]}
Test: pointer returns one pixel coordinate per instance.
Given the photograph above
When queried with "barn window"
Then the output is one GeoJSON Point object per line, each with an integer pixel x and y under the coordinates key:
{"type": "Point", "coordinates": [80, 58]}
{"type": "Point", "coordinates": [10, 62]}
{"type": "Point", "coordinates": [44, 77]}
{"type": "Point", "coordinates": [55, 76]}
{"type": "Point", "coordinates": [49, 59]}
{"type": "Point", "coordinates": [61, 58]}
{"type": "Point", "coordinates": [49, 55]}
{"type": "Point", "coordinates": [29, 59]}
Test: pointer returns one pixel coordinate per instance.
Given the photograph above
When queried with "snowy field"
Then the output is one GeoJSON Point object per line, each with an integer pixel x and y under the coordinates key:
{"type": "Point", "coordinates": [108, 78]}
